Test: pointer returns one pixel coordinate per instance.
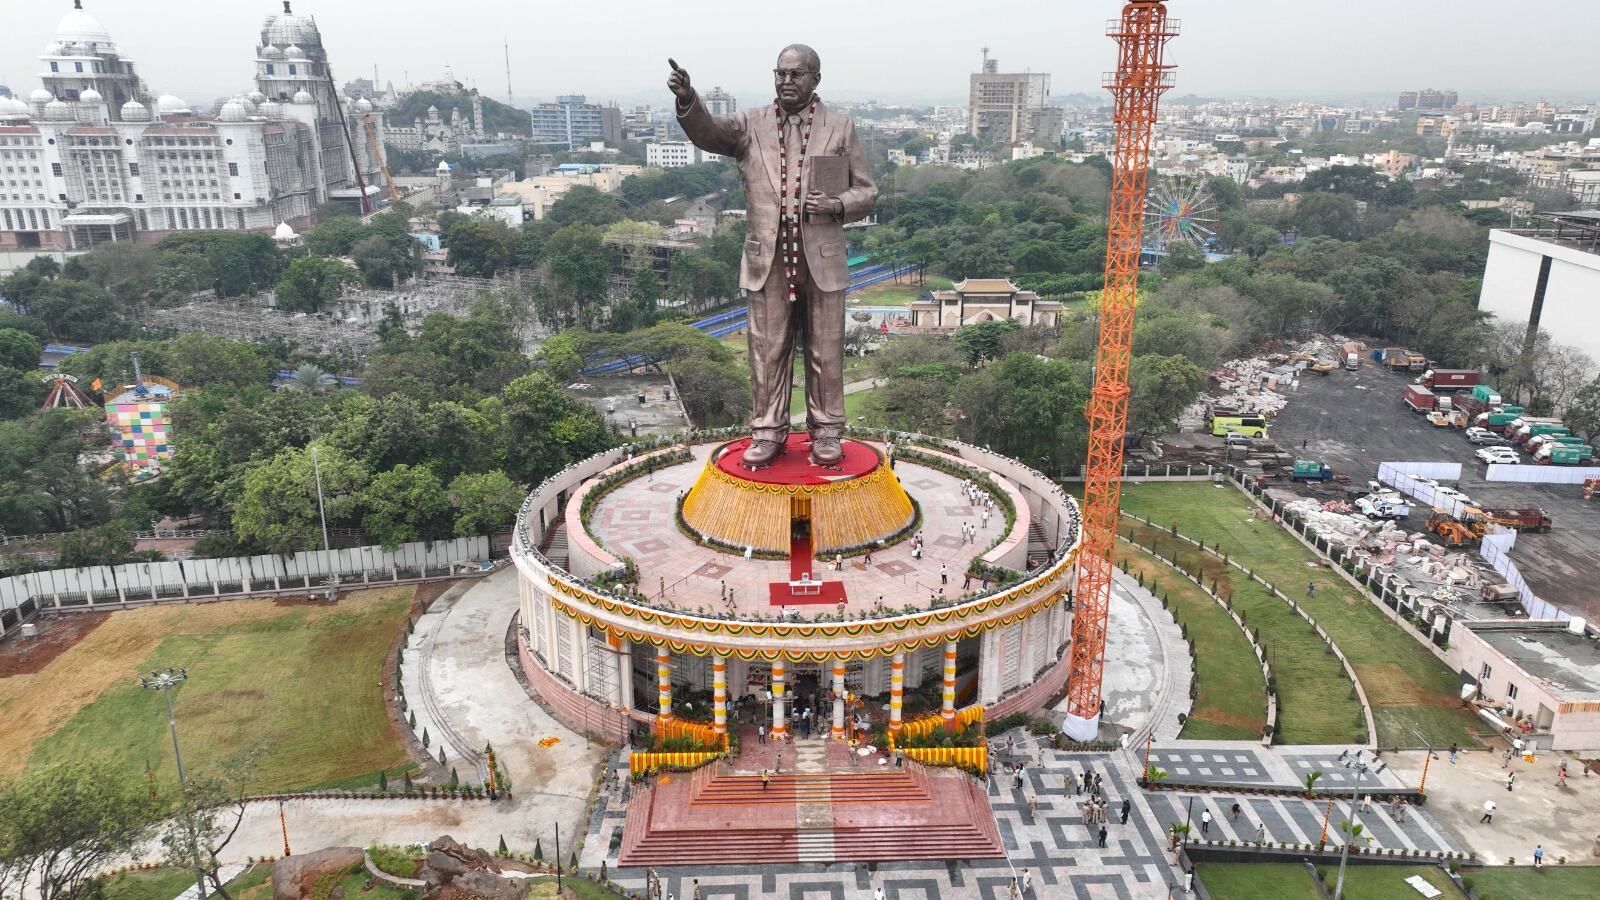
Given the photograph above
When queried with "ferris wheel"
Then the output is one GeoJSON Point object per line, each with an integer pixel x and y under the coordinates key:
{"type": "Point", "coordinates": [1179, 210]}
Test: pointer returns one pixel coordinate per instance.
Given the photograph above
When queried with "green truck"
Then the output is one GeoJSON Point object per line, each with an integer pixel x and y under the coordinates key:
{"type": "Point", "coordinates": [1564, 454]}
{"type": "Point", "coordinates": [1488, 394]}
{"type": "Point", "coordinates": [1498, 419]}
{"type": "Point", "coordinates": [1310, 470]}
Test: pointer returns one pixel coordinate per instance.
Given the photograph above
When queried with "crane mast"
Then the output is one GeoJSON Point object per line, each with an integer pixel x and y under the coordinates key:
{"type": "Point", "coordinates": [1136, 88]}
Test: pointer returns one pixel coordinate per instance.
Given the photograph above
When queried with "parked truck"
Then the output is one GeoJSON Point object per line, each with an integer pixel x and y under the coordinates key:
{"type": "Point", "coordinates": [1564, 454]}
{"type": "Point", "coordinates": [1396, 359]}
{"type": "Point", "coordinates": [1534, 429]}
{"type": "Point", "coordinates": [1469, 405]}
{"type": "Point", "coordinates": [1497, 419]}
{"type": "Point", "coordinates": [1530, 518]}
{"type": "Point", "coordinates": [1350, 354]}
{"type": "Point", "coordinates": [1486, 393]}
{"type": "Point", "coordinates": [1448, 379]}
{"type": "Point", "coordinates": [1534, 443]}
{"type": "Point", "coordinates": [1420, 399]}
{"type": "Point", "coordinates": [1310, 470]}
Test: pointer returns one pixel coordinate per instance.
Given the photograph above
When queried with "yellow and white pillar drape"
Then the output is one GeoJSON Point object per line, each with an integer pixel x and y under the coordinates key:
{"type": "Point", "coordinates": [664, 681]}
{"type": "Point", "coordinates": [838, 699]}
{"type": "Point", "coordinates": [897, 689]}
{"type": "Point", "coordinates": [947, 709]}
{"type": "Point", "coordinates": [719, 694]}
{"type": "Point", "coordinates": [780, 722]}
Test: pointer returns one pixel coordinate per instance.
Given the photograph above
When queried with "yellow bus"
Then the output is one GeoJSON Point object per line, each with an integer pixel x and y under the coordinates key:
{"type": "Point", "coordinates": [1249, 426]}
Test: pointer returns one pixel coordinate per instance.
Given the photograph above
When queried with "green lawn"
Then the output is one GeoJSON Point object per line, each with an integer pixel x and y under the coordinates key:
{"type": "Point", "coordinates": [853, 403]}
{"type": "Point", "coordinates": [1407, 686]}
{"type": "Point", "coordinates": [156, 884]}
{"type": "Point", "coordinates": [1315, 705]}
{"type": "Point", "coordinates": [166, 883]}
{"type": "Point", "coordinates": [571, 885]}
{"type": "Point", "coordinates": [1230, 694]}
{"type": "Point", "coordinates": [1549, 883]}
{"type": "Point", "coordinates": [295, 683]}
{"type": "Point", "coordinates": [1257, 881]}
{"type": "Point", "coordinates": [1292, 881]}
{"type": "Point", "coordinates": [891, 293]}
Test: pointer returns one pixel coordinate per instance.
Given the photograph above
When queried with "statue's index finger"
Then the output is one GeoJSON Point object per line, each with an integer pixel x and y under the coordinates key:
{"type": "Point", "coordinates": [674, 64]}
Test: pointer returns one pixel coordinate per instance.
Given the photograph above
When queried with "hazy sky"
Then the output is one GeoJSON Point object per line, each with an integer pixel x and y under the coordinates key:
{"type": "Point", "coordinates": [892, 50]}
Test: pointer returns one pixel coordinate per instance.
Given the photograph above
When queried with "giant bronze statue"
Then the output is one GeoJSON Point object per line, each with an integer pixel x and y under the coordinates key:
{"type": "Point", "coordinates": [804, 178]}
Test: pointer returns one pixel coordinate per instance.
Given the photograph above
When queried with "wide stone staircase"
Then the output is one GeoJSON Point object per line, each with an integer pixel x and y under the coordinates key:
{"type": "Point", "coordinates": [717, 816]}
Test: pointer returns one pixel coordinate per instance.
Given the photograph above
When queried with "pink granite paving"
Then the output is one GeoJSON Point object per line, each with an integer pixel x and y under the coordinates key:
{"type": "Point", "coordinates": [637, 520]}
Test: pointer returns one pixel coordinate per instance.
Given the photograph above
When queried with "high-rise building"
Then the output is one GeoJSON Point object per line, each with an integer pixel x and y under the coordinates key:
{"type": "Point", "coordinates": [1011, 107]}
{"type": "Point", "coordinates": [573, 121]}
{"type": "Point", "coordinates": [1427, 99]}
{"type": "Point", "coordinates": [96, 159]}
{"type": "Point", "coordinates": [719, 102]}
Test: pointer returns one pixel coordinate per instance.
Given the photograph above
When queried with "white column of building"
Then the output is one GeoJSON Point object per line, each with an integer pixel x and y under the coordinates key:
{"type": "Point", "coordinates": [838, 698]}
{"type": "Point", "coordinates": [780, 722]}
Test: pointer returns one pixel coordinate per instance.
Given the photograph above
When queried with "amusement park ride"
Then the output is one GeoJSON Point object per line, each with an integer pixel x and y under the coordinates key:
{"type": "Point", "coordinates": [1136, 88]}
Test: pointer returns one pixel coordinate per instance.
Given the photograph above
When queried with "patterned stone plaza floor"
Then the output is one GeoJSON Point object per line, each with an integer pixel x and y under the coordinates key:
{"type": "Point", "coordinates": [638, 520]}
{"type": "Point", "coordinates": [1048, 837]}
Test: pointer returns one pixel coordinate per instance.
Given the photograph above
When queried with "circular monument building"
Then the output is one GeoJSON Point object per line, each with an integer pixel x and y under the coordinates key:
{"type": "Point", "coordinates": [916, 578]}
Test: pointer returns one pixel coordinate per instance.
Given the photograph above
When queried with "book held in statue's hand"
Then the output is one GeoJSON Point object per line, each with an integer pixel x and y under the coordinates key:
{"type": "Point", "coordinates": [828, 174]}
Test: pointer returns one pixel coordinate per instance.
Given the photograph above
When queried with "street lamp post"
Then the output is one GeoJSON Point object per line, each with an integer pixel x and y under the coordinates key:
{"type": "Point", "coordinates": [166, 681]}
{"type": "Point", "coordinates": [322, 512]}
{"type": "Point", "coordinates": [1360, 768]}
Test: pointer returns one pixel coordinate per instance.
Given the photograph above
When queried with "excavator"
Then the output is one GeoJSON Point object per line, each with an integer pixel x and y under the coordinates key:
{"type": "Point", "coordinates": [1462, 532]}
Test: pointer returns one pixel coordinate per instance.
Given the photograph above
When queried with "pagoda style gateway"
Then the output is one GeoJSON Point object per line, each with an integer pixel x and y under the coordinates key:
{"type": "Point", "coordinates": [816, 619]}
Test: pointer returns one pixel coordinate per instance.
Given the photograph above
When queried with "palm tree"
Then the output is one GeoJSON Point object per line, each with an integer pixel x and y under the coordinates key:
{"type": "Point", "coordinates": [1355, 832]}
{"type": "Point", "coordinates": [307, 378]}
{"type": "Point", "coordinates": [1311, 780]}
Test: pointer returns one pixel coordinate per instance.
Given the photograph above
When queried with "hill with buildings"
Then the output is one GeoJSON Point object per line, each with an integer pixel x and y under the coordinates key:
{"type": "Point", "coordinates": [497, 116]}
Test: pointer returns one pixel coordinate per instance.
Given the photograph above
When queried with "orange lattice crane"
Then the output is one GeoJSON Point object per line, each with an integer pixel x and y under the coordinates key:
{"type": "Point", "coordinates": [1136, 88]}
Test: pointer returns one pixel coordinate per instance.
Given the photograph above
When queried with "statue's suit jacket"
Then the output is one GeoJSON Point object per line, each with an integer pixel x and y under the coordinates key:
{"type": "Point", "coordinates": [750, 136]}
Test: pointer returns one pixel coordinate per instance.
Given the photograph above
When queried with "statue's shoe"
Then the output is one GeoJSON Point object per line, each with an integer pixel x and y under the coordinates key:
{"type": "Point", "coordinates": [826, 451]}
{"type": "Point", "coordinates": [762, 452]}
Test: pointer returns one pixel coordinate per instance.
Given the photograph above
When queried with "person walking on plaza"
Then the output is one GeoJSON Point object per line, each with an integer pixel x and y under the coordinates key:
{"type": "Point", "coordinates": [766, 777]}
{"type": "Point", "coordinates": [1205, 822]}
{"type": "Point", "coordinates": [1454, 750]}
{"type": "Point", "coordinates": [1488, 816]}
{"type": "Point", "coordinates": [695, 893]}
{"type": "Point", "coordinates": [1261, 832]}
{"type": "Point", "coordinates": [944, 574]}
{"type": "Point", "coordinates": [1233, 814]}
{"type": "Point", "coordinates": [1103, 833]}
{"type": "Point", "coordinates": [1027, 882]}
{"type": "Point", "coordinates": [1127, 808]}
{"type": "Point", "coordinates": [761, 734]}
{"type": "Point", "coordinates": [1511, 781]}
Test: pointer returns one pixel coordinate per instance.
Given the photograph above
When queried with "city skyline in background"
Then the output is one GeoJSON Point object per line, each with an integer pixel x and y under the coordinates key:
{"type": "Point", "coordinates": [1245, 50]}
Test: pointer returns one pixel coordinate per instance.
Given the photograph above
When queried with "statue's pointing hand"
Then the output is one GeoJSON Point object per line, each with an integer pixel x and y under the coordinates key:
{"type": "Point", "coordinates": [678, 81]}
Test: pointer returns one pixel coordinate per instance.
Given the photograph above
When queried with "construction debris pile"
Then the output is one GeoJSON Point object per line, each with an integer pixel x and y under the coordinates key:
{"type": "Point", "coordinates": [1260, 384]}
{"type": "Point", "coordinates": [1432, 575]}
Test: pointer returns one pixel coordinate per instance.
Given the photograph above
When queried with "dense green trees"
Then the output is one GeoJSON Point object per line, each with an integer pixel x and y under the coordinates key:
{"type": "Point", "coordinates": [311, 282]}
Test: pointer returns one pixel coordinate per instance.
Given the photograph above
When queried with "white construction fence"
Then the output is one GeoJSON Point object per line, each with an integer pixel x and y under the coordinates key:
{"type": "Point", "coordinates": [1405, 477]}
{"type": "Point", "coordinates": [1496, 551]}
{"type": "Point", "coordinates": [130, 584]}
{"type": "Point", "coordinates": [1534, 474]}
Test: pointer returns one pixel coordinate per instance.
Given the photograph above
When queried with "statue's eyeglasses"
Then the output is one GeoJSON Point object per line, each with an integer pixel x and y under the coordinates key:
{"type": "Point", "coordinates": [790, 74]}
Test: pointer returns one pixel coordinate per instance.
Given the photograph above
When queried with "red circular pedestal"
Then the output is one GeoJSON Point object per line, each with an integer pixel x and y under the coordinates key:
{"type": "Point", "coordinates": [794, 465]}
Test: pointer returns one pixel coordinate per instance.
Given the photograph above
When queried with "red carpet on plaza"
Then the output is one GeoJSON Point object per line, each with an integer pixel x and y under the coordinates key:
{"type": "Point", "coordinates": [795, 466]}
{"type": "Point", "coordinates": [800, 564]}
